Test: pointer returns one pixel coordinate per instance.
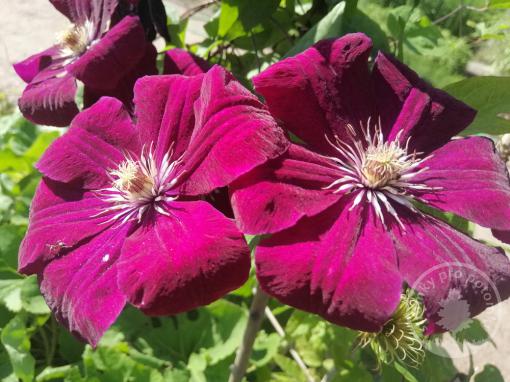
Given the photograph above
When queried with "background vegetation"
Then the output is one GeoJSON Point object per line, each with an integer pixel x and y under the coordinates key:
{"type": "Point", "coordinates": [447, 42]}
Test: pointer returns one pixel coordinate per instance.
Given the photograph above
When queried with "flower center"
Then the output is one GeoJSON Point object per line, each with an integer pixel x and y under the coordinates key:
{"type": "Point", "coordinates": [381, 172]}
{"type": "Point", "coordinates": [382, 165]}
{"type": "Point", "coordinates": [138, 185]}
{"type": "Point", "coordinates": [132, 180]}
{"type": "Point", "coordinates": [76, 39]}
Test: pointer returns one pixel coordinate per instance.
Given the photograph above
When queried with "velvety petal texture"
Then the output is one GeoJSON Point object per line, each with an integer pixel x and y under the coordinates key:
{"type": "Point", "coordinates": [166, 268]}
{"type": "Point", "coordinates": [283, 191]}
{"type": "Point", "coordinates": [50, 101]}
{"type": "Point", "coordinates": [105, 63]}
{"type": "Point", "coordinates": [113, 220]}
{"type": "Point", "coordinates": [346, 235]}
{"type": "Point", "coordinates": [106, 55]}
{"type": "Point", "coordinates": [339, 264]}
{"type": "Point", "coordinates": [221, 130]}
{"type": "Point", "coordinates": [437, 260]}
{"type": "Point", "coordinates": [471, 181]}
{"type": "Point", "coordinates": [93, 145]}
{"type": "Point", "coordinates": [81, 287]}
{"type": "Point", "coordinates": [180, 61]}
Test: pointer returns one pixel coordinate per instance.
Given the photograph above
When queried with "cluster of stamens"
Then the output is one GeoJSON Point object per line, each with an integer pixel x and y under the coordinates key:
{"type": "Point", "coordinates": [138, 185]}
{"type": "Point", "coordinates": [402, 337]}
{"type": "Point", "coordinates": [76, 39]}
{"type": "Point", "coordinates": [381, 171]}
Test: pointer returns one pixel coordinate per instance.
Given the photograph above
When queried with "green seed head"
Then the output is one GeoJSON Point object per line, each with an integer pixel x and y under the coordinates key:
{"type": "Point", "coordinates": [401, 338]}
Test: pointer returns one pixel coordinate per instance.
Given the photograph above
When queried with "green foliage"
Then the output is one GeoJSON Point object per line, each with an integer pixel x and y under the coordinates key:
{"type": "Point", "coordinates": [436, 38]}
{"type": "Point", "coordinates": [490, 96]}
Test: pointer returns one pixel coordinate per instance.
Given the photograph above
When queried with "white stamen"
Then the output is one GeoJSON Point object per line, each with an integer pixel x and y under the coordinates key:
{"type": "Point", "coordinates": [76, 40]}
{"type": "Point", "coordinates": [382, 170]}
{"type": "Point", "coordinates": [140, 184]}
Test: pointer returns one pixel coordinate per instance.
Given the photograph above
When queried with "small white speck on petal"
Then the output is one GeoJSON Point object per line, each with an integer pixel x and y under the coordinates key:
{"type": "Point", "coordinates": [106, 258]}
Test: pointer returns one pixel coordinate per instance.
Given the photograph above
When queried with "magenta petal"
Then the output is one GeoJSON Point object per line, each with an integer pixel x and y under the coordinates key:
{"type": "Point", "coordinates": [61, 216]}
{"type": "Point", "coordinates": [50, 101]}
{"type": "Point", "coordinates": [339, 264]}
{"type": "Point", "coordinates": [438, 261]}
{"type": "Point", "coordinates": [81, 286]}
{"type": "Point", "coordinates": [124, 89]}
{"type": "Point", "coordinates": [504, 236]}
{"type": "Point", "coordinates": [472, 182]}
{"type": "Point", "coordinates": [98, 12]}
{"type": "Point", "coordinates": [180, 61]}
{"type": "Point", "coordinates": [106, 62]}
{"type": "Point", "coordinates": [93, 145]}
{"type": "Point", "coordinates": [164, 109]}
{"type": "Point", "coordinates": [447, 116]}
{"type": "Point", "coordinates": [233, 134]}
{"type": "Point", "coordinates": [182, 261]}
{"type": "Point", "coordinates": [276, 195]}
{"type": "Point", "coordinates": [31, 66]}
{"type": "Point", "coordinates": [321, 89]}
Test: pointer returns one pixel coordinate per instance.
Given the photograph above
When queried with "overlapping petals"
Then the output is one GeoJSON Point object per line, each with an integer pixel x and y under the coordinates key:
{"type": "Point", "coordinates": [99, 236]}
{"type": "Point", "coordinates": [347, 233]}
{"type": "Point", "coordinates": [107, 58]}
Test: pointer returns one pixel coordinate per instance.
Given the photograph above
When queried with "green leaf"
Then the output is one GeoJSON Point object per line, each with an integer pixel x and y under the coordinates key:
{"type": "Point", "coordinates": [10, 239]}
{"type": "Point", "coordinates": [265, 348]}
{"type": "Point", "coordinates": [53, 373]}
{"type": "Point", "coordinates": [473, 333]}
{"type": "Point", "coordinates": [490, 373]}
{"type": "Point", "coordinates": [290, 368]}
{"type": "Point", "coordinates": [16, 339]}
{"type": "Point", "coordinates": [499, 4]}
{"type": "Point", "coordinates": [229, 12]}
{"type": "Point", "coordinates": [408, 376]}
{"type": "Point", "coordinates": [329, 26]}
{"type": "Point", "coordinates": [491, 97]}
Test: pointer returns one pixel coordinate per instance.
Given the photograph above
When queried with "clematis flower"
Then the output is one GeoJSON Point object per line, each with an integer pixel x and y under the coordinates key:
{"type": "Point", "coordinates": [348, 208]}
{"type": "Point", "coordinates": [120, 215]}
{"type": "Point", "coordinates": [105, 57]}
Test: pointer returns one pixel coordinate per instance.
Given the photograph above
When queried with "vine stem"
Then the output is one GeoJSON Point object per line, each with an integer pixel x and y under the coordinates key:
{"type": "Point", "coordinates": [281, 332]}
{"type": "Point", "coordinates": [258, 305]}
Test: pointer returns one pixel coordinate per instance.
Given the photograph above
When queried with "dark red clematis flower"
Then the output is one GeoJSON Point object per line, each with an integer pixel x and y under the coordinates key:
{"type": "Point", "coordinates": [106, 58]}
{"type": "Point", "coordinates": [121, 213]}
{"type": "Point", "coordinates": [346, 209]}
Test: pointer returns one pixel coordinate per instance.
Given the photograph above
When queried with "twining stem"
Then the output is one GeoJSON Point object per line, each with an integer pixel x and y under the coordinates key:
{"type": "Point", "coordinates": [258, 304]}
{"type": "Point", "coordinates": [276, 325]}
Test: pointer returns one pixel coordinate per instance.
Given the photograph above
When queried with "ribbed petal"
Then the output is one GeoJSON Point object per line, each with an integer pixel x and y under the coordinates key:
{"type": "Point", "coordinates": [98, 12]}
{"type": "Point", "coordinates": [276, 195]}
{"type": "Point", "coordinates": [182, 261]}
{"type": "Point", "coordinates": [234, 133]}
{"type": "Point", "coordinates": [112, 57]}
{"type": "Point", "coordinates": [81, 286]}
{"type": "Point", "coordinates": [339, 264]}
{"type": "Point", "coordinates": [446, 266]}
{"type": "Point", "coordinates": [50, 100]}
{"type": "Point", "coordinates": [180, 61]}
{"type": "Point", "coordinates": [321, 90]}
{"type": "Point", "coordinates": [61, 216]}
{"type": "Point", "coordinates": [222, 129]}
{"type": "Point", "coordinates": [164, 109]}
{"type": "Point", "coordinates": [94, 144]}
{"type": "Point", "coordinates": [394, 83]}
{"type": "Point", "coordinates": [471, 181]}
